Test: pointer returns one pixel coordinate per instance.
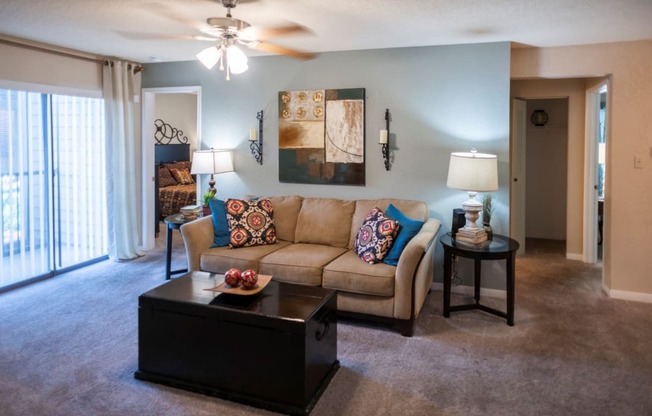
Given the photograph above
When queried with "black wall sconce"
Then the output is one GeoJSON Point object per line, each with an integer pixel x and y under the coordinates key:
{"type": "Point", "coordinates": [539, 118]}
{"type": "Point", "coordinates": [384, 140]}
{"type": "Point", "coordinates": [256, 140]}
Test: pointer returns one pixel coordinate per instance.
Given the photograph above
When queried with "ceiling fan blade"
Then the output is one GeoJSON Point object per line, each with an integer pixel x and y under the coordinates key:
{"type": "Point", "coordinates": [274, 32]}
{"type": "Point", "coordinates": [175, 15]}
{"type": "Point", "coordinates": [162, 36]}
{"type": "Point", "coordinates": [282, 50]}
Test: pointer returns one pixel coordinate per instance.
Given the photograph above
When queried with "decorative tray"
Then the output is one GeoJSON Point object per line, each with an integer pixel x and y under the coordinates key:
{"type": "Point", "coordinates": [263, 280]}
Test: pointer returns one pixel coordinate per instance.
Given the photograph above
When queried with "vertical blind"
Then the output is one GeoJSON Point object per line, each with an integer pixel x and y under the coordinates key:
{"type": "Point", "coordinates": [52, 169]}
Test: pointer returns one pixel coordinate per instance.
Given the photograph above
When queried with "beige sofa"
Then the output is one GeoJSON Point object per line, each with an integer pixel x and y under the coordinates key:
{"type": "Point", "coordinates": [315, 247]}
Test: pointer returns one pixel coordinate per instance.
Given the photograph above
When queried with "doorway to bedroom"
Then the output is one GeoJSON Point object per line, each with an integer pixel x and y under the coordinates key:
{"type": "Point", "coordinates": [165, 109]}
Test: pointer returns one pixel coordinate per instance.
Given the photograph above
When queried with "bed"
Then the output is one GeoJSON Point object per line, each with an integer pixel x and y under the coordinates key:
{"type": "Point", "coordinates": [174, 186]}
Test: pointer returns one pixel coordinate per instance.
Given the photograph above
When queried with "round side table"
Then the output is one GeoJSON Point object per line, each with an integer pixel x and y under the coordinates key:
{"type": "Point", "coordinates": [172, 222]}
{"type": "Point", "coordinates": [498, 248]}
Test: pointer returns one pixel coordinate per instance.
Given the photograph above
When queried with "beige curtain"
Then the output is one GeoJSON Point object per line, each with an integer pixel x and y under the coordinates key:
{"type": "Point", "coordinates": [121, 86]}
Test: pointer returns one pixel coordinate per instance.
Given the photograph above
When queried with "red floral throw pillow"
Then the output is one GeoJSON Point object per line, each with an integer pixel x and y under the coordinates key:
{"type": "Point", "coordinates": [251, 222]}
{"type": "Point", "coordinates": [375, 237]}
{"type": "Point", "coordinates": [182, 176]}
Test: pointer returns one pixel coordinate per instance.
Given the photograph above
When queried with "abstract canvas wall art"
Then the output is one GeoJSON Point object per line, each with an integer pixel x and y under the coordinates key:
{"type": "Point", "coordinates": [321, 136]}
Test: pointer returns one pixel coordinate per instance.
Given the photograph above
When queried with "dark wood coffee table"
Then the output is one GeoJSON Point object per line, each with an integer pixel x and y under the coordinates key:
{"type": "Point", "coordinates": [276, 349]}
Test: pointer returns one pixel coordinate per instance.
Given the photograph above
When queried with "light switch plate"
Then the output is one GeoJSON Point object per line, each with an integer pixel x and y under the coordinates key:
{"type": "Point", "coordinates": [638, 161]}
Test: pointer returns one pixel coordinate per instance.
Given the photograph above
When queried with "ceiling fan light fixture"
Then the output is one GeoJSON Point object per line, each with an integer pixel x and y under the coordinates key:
{"type": "Point", "coordinates": [236, 59]}
{"type": "Point", "coordinates": [209, 57]}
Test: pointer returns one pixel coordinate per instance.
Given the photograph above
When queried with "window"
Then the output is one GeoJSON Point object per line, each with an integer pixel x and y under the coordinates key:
{"type": "Point", "coordinates": [53, 187]}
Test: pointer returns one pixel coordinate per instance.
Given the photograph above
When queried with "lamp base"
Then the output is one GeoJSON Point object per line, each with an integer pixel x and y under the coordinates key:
{"type": "Point", "coordinates": [211, 184]}
{"type": "Point", "coordinates": [471, 235]}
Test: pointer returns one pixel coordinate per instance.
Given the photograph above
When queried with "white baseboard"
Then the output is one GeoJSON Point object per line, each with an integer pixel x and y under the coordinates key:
{"type": "Point", "coordinates": [624, 295]}
{"type": "Point", "coordinates": [469, 290]}
{"type": "Point", "coordinates": [574, 256]}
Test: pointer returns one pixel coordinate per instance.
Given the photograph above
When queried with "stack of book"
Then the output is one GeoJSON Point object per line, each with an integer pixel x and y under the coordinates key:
{"type": "Point", "coordinates": [191, 212]}
{"type": "Point", "coordinates": [471, 235]}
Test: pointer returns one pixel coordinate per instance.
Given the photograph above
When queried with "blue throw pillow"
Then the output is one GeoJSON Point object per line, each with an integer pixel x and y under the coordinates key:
{"type": "Point", "coordinates": [409, 228]}
{"type": "Point", "coordinates": [220, 224]}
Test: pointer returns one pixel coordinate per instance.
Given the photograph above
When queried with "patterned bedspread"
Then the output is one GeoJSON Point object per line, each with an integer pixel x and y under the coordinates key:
{"type": "Point", "coordinates": [172, 198]}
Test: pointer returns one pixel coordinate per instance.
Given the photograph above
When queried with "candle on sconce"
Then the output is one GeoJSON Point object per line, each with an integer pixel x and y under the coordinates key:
{"type": "Point", "coordinates": [383, 137]}
{"type": "Point", "coordinates": [252, 135]}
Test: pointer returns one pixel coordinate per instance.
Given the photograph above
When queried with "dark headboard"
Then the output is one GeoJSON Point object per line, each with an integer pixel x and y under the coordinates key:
{"type": "Point", "coordinates": [171, 152]}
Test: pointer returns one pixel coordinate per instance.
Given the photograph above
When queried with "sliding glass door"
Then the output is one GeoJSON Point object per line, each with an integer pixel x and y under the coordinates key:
{"type": "Point", "coordinates": [53, 187]}
{"type": "Point", "coordinates": [79, 188]}
{"type": "Point", "coordinates": [24, 156]}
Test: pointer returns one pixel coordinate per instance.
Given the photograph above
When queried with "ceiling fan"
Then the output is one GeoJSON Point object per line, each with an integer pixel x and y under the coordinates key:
{"type": "Point", "coordinates": [230, 32]}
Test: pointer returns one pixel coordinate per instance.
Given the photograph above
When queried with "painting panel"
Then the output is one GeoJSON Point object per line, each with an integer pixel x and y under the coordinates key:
{"type": "Point", "coordinates": [321, 136]}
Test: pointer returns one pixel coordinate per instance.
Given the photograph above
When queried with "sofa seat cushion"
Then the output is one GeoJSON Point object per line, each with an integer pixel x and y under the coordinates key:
{"type": "Point", "coordinates": [299, 263]}
{"type": "Point", "coordinates": [348, 273]}
{"type": "Point", "coordinates": [220, 259]}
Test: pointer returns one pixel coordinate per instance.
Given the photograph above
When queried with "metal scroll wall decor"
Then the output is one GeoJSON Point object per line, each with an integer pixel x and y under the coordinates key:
{"type": "Point", "coordinates": [322, 137]}
{"type": "Point", "coordinates": [166, 134]}
{"type": "Point", "coordinates": [384, 140]}
{"type": "Point", "coordinates": [256, 141]}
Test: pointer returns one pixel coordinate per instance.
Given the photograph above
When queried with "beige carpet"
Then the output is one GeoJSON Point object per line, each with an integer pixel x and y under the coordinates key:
{"type": "Point", "coordinates": [68, 346]}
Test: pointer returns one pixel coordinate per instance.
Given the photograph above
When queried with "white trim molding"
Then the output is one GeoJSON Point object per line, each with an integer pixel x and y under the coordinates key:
{"type": "Point", "coordinates": [624, 295]}
{"type": "Point", "coordinates": [574, 256]}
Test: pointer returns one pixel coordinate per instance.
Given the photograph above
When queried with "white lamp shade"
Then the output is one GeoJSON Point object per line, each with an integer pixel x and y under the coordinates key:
{"type": "Point", "coordinates": [211, 161]}
{"type": "Point", "coordinates": [236, 59]}
{"type": "Point", "coordinates": [477, 172]}
{"type": "Point", "coordinates": [209, 56]}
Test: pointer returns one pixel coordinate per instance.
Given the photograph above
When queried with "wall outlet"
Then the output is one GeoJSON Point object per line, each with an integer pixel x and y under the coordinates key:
{"type": "Point", "coordinates": [638, 161]}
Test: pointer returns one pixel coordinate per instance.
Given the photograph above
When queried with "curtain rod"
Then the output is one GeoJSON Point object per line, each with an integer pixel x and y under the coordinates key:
{"type": "Point", "coordinates": [57, 50]}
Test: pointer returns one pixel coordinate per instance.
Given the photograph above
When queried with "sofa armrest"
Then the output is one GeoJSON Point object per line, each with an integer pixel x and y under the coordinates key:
{"type": "Point", "coordinates": [198, 236]}
{"type": "Point", "coordinates": [416, 264]}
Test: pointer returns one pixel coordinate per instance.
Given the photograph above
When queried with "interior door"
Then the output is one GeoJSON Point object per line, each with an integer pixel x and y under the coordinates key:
{"type": "Point", "coordinates": [517, 163]}
{"type": "Point", "coordinates": [595, 136]}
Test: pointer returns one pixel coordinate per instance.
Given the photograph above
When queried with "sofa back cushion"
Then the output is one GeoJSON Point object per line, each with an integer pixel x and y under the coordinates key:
{"type": "Point", "coordinates": [326, 221]}
{"type": "Point", "coordinates": [413, 209]}
{"type": "Point", "coordinates": [286, 213]}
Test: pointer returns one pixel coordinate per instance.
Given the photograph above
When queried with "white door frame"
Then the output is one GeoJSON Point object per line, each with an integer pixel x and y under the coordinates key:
{"type": "Point", "coordinates": [517, 168]}
{"type": "Point", "coordinates": [590, 238]}
{"type": "Point", "coordinates": [148, 130]}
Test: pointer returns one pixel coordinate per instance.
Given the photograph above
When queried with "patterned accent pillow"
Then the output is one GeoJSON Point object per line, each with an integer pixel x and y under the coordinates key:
{"type": "Point", "coordinates": [182, 176]}
{"type": "Point", "coordinates": [165, 177]}
{"type": "Point", "coordinates": [375, 237]}
{"type": "Point", "coordinates": [251, 222]}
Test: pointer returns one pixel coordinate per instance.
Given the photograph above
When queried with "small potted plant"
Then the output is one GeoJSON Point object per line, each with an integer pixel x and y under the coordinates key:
{"type": "Point", "coordinates": [487, 210]}
{"type": "Point", "coordinates": [208, 195]}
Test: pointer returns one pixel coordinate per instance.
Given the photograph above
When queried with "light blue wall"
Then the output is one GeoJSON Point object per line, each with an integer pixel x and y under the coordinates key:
{"type": "Point", "coordinates": [442, 99]}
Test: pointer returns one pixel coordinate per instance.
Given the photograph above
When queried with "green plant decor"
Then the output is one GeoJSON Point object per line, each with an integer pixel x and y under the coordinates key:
{"type": "Point", "coordinates": [487, 210]}
{"type": "Point", "coordinates": [208, 195]}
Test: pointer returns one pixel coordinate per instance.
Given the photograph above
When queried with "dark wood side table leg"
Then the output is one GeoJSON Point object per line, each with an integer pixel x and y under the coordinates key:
{"type": "Point", "coordinates": [447, 281]}
{"type": "Point", "coordinates": [168, 252]}
{"type": "Point", "coordinates": [511, 270]}
{"type": "Point", "coordinates": [477, 271]}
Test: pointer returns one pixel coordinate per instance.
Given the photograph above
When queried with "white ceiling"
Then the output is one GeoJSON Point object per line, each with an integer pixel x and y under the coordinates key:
{"type": "Point", "coordinates": [141, 30]}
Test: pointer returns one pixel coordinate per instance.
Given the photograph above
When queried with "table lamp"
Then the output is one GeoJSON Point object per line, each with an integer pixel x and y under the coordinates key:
{"type": "Point", "coordinates": [472, 172]}
{"type": "Point", "coordinates": [211, 161]}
